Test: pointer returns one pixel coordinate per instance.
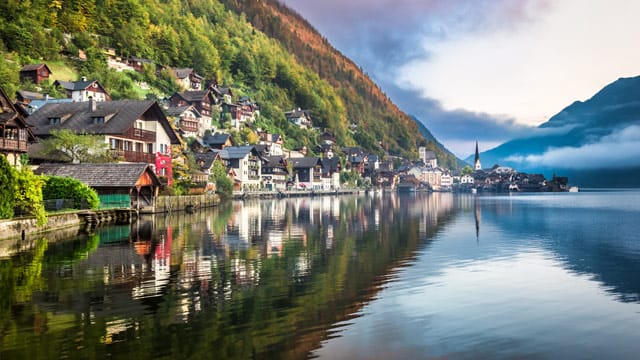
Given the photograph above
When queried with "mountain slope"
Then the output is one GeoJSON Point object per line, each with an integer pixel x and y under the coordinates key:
{"type": "Point", "coordinates": [596, 142]}
{"type": "Point", "coordinates": [366, 105]}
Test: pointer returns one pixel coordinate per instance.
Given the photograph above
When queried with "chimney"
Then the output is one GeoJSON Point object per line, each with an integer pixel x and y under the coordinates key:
{"type": "Point", "coordinates": [92, 104]}
{"type": "Point", "coordinates": [46, 98]}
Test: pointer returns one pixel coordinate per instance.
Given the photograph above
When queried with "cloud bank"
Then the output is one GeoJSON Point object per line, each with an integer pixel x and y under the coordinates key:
{"type": "Point", "coordinates": [620, 149]}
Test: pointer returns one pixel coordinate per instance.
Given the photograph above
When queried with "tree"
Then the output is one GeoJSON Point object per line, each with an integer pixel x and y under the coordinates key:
{"type": "Point", "coordinates": [7, 188]}
{"type": "Point", "coordinates": [467, 170]}
{"type": "Point", "coordinates": [77, 148]}
{"type": "Point", "coordinates": [224, 185]}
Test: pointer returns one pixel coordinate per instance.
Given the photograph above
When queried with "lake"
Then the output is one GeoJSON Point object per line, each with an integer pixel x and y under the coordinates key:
{"type": "Point", "coordinates": [383, 276]}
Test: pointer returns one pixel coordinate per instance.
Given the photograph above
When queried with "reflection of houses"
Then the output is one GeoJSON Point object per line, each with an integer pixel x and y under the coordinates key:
{"type": "Point", "coordinates": [14, 131]}
{"type": "Point", "coordinates": [83, 90]}
{"type": "Point", "coordinates": [137, 131]}
{"type": "Point", "coordinates": [35, 73]}
{"type": "Point", "coordinates": [128, 185]}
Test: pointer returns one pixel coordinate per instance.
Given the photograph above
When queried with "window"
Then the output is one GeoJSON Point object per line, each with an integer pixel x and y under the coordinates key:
{"type": "Point", "coordinates": [150, 148]}
{"type": "Point", "coordinates": [54, 121]}
{"type": "Point", "coordinates": [98, 119]}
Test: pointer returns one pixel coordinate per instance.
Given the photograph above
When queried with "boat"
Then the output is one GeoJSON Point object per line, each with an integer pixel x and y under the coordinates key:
{"type": "Point", "coordinates": [574, 189]}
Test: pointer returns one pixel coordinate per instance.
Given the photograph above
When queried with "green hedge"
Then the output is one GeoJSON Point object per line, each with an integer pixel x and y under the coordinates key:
{"type": "Point", "coordinates": [57, 187]}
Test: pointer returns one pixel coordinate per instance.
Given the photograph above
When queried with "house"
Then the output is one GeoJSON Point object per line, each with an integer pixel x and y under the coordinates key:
{"type": "Point", "coordinates": [222, 94]}
{"type": "Point", "coordinates": [15, 133]}
{"type": "Point", "coordinates": [299, 117]}
{"type": "Point", "coordinates": [30, 101]}
{"type": "Point", "coordinates": [205, 163]}
{"type": "Point", "coordinates": [218, 141]}
{"type": "Point", "coordinates": [138, 63]}
{"type": "Point", "coordinates": [331, 168]}
{"type": "Point", "coordinates": [240, 113]}
{"type": "Point", "coordinates": [132, 185]}
{"type": "Point", "coordinates": [274, 141]}
{"type": "Point", "coordinates": [246, 162]}
{"type": "Point", "coordinates": [137, 131]}
{"type": "Point", "coordinates": [35, 73]}
{"type": "Point", "coordinates": [202, 100]}
{"type": "Point", "coordinates": [83, 90]}
{"type": "Point", "coordinates": [275, 173]}
{"type": "Point", "coordinates": [328, 137]}
{"type": "Point", "coordinates": [307, 172]}
{"type": "Point", "coordinates": [428, 157]}
{"type": "Point", "coordinates": [187, 79]}
{"type": "Point", "coordinates": [187, 120]}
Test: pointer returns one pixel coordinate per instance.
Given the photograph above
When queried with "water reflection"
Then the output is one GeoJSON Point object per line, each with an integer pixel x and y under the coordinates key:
{"type": "Point", "coordinates": [279, 278]}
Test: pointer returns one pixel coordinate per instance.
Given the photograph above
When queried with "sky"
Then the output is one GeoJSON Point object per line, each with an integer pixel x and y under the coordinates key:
{"type": "Point", "coordinates": [485, 70]}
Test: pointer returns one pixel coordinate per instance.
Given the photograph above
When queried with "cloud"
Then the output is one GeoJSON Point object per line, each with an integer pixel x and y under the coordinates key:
{"type": "Point", "coordinates": [620, 149]}
{"type": "Point", "coordinates": [459, 129]}
{"type": "Point", "coordinates": [381, 33]}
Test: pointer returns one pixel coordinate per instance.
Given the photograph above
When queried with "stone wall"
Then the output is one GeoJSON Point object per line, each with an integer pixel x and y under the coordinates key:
{"type": "Point", "coordinates": [26, 227]}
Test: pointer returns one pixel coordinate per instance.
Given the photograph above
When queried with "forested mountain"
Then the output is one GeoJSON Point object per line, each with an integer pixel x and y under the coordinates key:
{"type": "Point", "coordinates": [594, 142]}
{"type": "Point", "coordinates": [291, 66]}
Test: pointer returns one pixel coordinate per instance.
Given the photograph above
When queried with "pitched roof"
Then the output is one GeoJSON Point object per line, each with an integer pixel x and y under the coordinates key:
{"type": "Point", "coordinates": [216, 139]}
{"type": "Point", "coordinates": [238, 152]}
{"type": "Point", "coordinates": [182, 73]}
{"type": "Point", "coordinates": [305, 162]}
{"type": "Point", "coordinates": [207, 158]}
{"type": "Point", "coordinates": [79, 116]}
{"type": "Point", "coordinates": [195, 95]}
{"type": "Point", "coordinates": [76, 85]}
{"type": "Point", "coordinates": [297, 113]}
{"type": "Point", "coordinates": [120, 175]}
{"type": "Point", "coordinates": [176, 111]}
{"type": "Point", "coordinates": [32, 67]}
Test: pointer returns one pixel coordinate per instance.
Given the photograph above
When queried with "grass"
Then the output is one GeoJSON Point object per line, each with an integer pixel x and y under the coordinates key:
{"type": "Point", "coordinates": [62, 71]}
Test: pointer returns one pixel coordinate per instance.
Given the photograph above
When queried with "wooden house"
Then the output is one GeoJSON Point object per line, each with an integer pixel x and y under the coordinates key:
{"type": "Point", "coordinates": [188, 79]}
{"type": "Point", "coordinates": [84, 90]}
{"type": "Point", "coordinates": [15, 133]}
{"type": "Point", "coordinates": [36, 73]}
{"type": "Point", "coordinates": [133, 185]}
{"type": "Point", "coordinates": [137, 131]}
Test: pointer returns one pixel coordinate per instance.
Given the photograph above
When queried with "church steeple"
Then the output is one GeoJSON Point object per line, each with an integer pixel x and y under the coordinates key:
{"type": "Point", "coordinates": [476, 161]}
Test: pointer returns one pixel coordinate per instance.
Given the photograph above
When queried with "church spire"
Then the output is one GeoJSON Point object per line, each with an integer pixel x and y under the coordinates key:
{"type": "Point", "coordinates": [476, 161]}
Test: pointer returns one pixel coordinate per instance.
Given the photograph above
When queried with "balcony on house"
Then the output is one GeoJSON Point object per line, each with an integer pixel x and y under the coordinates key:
{"type": "Point", "coordinates": [140, 134]}
{"type": "Point", "coordinates": [134, 156]}
{"type": "Point", "coordinates": [12, 139]}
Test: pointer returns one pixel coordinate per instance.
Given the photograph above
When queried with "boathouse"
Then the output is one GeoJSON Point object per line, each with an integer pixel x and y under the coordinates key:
{"type": "Point", "coordinates": [119, 185]}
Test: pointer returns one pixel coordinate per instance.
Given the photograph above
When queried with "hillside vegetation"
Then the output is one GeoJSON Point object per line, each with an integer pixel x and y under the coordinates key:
{"type": "Point", "coordinates": [291, 66]}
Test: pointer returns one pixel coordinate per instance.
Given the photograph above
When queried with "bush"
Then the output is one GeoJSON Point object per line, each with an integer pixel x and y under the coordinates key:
{"type": "Point", "coordinates": [57, 187]}
{"type": "Point", "coordinates": [28, 195]}
{"type": "Point", "coordinates": [7, 188]}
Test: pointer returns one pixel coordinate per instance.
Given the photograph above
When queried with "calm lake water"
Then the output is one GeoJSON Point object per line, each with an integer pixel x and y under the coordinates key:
{"type": "Point", "coordinates": [356, 277]}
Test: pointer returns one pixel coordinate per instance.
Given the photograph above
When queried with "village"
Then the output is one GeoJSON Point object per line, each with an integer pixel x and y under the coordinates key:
{"type": "Point", "coordinates": [204, 122]}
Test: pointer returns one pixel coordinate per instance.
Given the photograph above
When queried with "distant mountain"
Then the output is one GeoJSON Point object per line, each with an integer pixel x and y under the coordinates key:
{"type": "Point", "coordinates": [596, 142]}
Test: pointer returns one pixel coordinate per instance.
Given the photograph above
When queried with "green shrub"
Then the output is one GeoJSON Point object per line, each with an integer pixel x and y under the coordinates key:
{"type": "Point", "coordinates": [57, 187]}
{"type": "Point", "coordinates": [28, 195]}
{"type": "Point", "coordinates": [7, 188]}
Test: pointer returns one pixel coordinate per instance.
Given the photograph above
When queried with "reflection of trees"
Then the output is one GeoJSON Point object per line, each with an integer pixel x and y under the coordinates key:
{"type": "Point", "coordinates": [225, 303]}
